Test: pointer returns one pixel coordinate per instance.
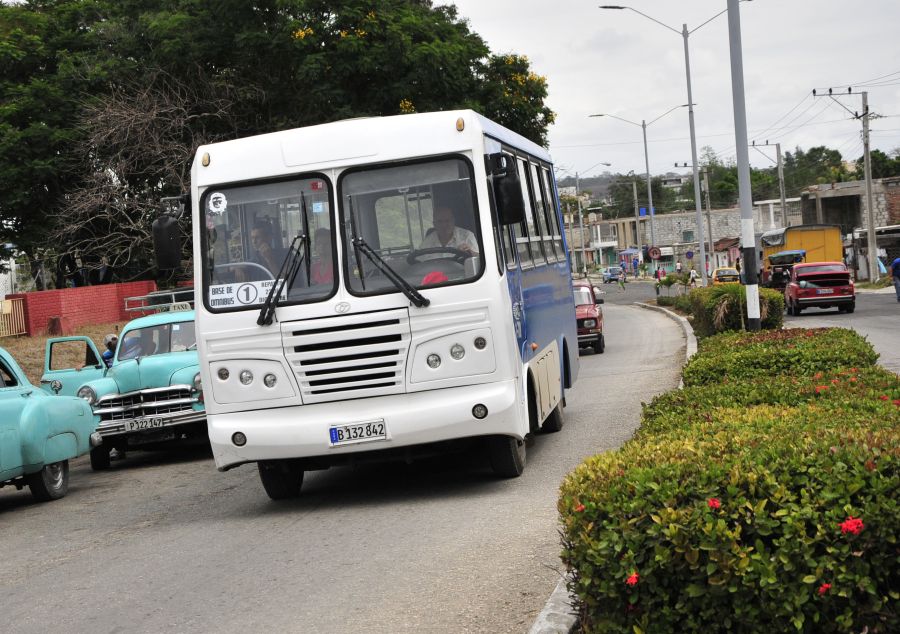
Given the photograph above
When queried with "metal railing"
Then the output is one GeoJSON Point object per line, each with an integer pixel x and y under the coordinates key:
{"type": "Point", "coordinates": [12, 317]}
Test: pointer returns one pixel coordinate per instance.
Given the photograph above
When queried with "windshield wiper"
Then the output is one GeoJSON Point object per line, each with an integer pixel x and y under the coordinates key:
{"type": "Point", "coordinates": [287, 273]}
{"type": "Point", "coordinates": [360, 246]}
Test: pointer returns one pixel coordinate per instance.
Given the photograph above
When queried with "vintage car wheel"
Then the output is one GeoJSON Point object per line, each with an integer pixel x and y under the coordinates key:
{"type": "Point", "coordinates": [851, 307]}
{"type": "Point", "coordinates": [599, 345]}
{"type": "Point", "coordinates": [507, 456]}
{"type": "Point", "coordinates": [555, 420]}
{"type": "Point", "coordinates": [282, 479]}
{"type": "Point", "coordinates": [51, 482]}
{"type": "Point", "coordinates": [100, 458]}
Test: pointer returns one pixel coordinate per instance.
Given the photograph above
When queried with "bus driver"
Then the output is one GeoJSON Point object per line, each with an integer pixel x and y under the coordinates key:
{"type": "Point", "coordinates": [447, 234]}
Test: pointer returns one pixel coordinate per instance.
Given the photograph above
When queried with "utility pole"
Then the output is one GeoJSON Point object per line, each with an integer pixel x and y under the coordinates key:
{"type": "Point", "coordinates": [780, 163]}
{"type": "Point", "coordinates": [637, 215]}
{"type": "Point", "coordinates": [871, 240]}
{"type": "Point", "coordinates": [580, 225]}
{"type": "Point", "coordinates": [870, 203]}
{"type": "Point", "coordinates": [748, 235]}
{"type": "Point", "coordinates": [708, 217]}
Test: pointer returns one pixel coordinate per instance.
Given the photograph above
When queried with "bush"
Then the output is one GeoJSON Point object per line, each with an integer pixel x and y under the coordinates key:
{"type": "Point", "coordinates": [798, 351]}
{"type": "Point", "coordinates": [748, 502]}
{"type": "Point", "coordinates": [683, 303]}
{"type": "Point", "coordinates": [734, 524]}
{"type": "Point", "coordinates": [665, 300]}
{"type": "Point", "coordinates": [723, 308]}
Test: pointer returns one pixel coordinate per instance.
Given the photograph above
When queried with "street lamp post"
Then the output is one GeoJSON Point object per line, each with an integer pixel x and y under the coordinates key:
{"type": "Point", "coordinates": [643, 125]}
{"type": "Point", "coordinates": [687, 65]}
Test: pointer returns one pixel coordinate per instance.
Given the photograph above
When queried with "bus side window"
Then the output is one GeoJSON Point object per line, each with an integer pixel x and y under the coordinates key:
{"type": "Point", "coordinates": [552, 213]}
{"type": "Point", "coordinates": [540, 213]}
{"type": "Point", "coordinates": [532, 235]}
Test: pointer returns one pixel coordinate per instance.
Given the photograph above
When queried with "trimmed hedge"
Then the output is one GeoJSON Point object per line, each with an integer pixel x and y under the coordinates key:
{"type": "Point", "coordinates": [767, 503]}
{"type": "Point", "coordinates": [736, 356]}
{"type": "Point", "coordinates": [723, 308]}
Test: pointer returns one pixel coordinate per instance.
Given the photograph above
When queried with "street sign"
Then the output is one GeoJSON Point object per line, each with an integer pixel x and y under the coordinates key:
{"type": "Point", "coordinates": [654, 253]}
{"type": "Point", "coordinates": [689, 255]}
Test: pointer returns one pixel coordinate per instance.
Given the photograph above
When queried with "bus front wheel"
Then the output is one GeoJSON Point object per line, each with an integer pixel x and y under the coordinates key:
{"type": "Point", "coordinates": [507, 456]}
{"type": "Point", "coordinates": [281, 479]}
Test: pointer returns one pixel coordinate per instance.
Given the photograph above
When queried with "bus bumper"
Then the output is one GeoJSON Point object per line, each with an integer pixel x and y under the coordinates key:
{"type": "Point", "coordinates": [410, 419]}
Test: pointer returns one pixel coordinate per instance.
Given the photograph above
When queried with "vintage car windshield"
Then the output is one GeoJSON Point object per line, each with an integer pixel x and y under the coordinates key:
{"type": "Point", "coordinates": [145, 342]}
{"type": "Point", "coordinates": [417, 222]}
{"type": "Point", "coordinates": [249, 231]}
{"type": "Point", "coordinates": [583, 296]}
{"type": "Point", "coordinates": [727, 272]}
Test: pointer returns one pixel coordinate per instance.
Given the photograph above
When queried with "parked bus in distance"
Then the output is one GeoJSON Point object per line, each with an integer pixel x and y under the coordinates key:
{"type": "Point", "coordinates": [376, 289]}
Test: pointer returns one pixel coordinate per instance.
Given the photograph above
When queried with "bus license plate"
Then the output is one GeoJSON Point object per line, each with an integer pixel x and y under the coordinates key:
{"type": "Point", "coordinates": [824, 291]}
{"type": "Point", "coordinates": [144, 423]}
{"type": "Point", "coordinates": [357, 433]}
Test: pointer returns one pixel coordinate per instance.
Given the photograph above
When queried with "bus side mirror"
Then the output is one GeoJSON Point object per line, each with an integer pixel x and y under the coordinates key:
{"type": "Point", "coordinates": [167, 242]}
{"type": "Point", "coordinates": [507, 189]}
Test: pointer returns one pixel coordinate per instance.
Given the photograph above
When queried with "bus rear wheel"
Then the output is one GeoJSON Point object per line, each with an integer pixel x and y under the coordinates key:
{"type": "Point", "coordinates": [282, 479]}
{"type": "Point", "coordinates": [507, 456]}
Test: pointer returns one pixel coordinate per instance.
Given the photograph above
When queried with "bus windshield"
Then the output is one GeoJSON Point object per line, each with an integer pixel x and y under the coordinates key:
{"type": "Point", "coordinates": [419, 220]}
{"type": "Point", "coordinates": [249, 231]}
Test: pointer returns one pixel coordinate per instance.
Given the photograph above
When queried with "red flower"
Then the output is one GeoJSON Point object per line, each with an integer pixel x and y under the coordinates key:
{"type": "Point", "coordinates": [896, 402]}
{"type": "Point", "coordinates": [884, 397]}
{"type": "Point", "coordinates": [821, 388]}
{"type": "Point", "coordinates": [835, 380]}
{"type": "Point", "coordinates": [579, 508]}
{"type": "Point", "coordinates": [817, 376]}
{"type": "Point", "coordinates": [713, 503]}
{"type": "Point", "coordinates": [854, 370]}
{"type": "Point", "coordinates": [853, 379]}
{"type": "Point", "coordinates": [825, 587]}
{"type": "Point", "coordinates": [633, 579]}
{"type": "Point", "coordinates": [852, 525]}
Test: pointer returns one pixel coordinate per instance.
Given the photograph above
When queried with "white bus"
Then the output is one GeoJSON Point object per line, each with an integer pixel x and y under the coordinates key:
{"type": "Point", "coordinates": [376, 288]}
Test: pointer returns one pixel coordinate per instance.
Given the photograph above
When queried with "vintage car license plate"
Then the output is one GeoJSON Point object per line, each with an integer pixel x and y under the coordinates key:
{"type": "Point", "coordinates": [357, 432]}
{"type": "Point", "coordinates": [824, 291]}
{"type": "Point", "coordinates": [144, 423]}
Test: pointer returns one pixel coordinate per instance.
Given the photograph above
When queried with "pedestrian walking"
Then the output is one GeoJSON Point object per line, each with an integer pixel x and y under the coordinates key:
{"type": "Point", "coordinates": [634, 267]}
{"type": "Point", "coordinates": [622, 278]}
{"type": "Point", "coordinates": [895, 275]}
{"type": "Point", "coordinates": [694, 276]}
{"type": "Point", "coordinates": [678, 266]}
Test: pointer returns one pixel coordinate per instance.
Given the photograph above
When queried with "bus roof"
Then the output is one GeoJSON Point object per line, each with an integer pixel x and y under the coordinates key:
{"type": "Point", "coordinates": [775, 237]}
{"type": "Point", "coordinates": [351, 142]}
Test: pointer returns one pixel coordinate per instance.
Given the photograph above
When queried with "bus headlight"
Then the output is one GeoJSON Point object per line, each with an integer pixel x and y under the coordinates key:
{"type": "Point", "coordinates": [88, 394]}
{"type": "Point", "coordinates": [246, 377]}
{"type": "Point", "coordinates": [457, 351]}
{"type": "Point", "coordinates": [433, 361]}
{"type": "Point", "coordinates": [223, 374]}
{"type": "Point", "coordinates": [480, 343]}
{"type": "Point", "coordinates": [270, 380]}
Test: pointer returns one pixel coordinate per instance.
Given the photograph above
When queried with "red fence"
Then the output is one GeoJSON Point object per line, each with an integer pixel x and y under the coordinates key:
{"type": "Point", "coordinates": [80, 306]}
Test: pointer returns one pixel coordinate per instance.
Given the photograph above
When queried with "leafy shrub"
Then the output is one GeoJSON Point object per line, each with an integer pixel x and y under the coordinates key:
{"type": "Point", "coordinates": [762, 497]}
{"type": "Point", "coordinates": [723, 308]}
{"type": "Point", "coordinates": [734, 524]}
{"type": "Point", "coordinates": [683, 303]}
{"type": "Point", "coordinates": [736, 356]}
{"type": "Point", "coordinates": [664, 300]}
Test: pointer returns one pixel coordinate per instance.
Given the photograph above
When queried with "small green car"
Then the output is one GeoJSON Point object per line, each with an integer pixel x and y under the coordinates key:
{"type": "Point", "coordinates": [151, 391]}
{"type": "Point", "coordinates": [39, 434]}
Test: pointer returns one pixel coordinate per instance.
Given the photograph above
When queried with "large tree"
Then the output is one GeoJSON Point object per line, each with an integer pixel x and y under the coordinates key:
{"type": "Point", "coordinates": [281, 63]}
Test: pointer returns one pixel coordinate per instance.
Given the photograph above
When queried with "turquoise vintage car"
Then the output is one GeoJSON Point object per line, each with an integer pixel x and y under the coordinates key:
{"type": "Point", "coordinates": [150, 393]}
{"type": "Point", "coordinates": [39, 434]}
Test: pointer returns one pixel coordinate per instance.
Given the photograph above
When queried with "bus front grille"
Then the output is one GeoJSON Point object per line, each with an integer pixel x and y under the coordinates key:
{"type": "Point", "coordinates": [351, 356]}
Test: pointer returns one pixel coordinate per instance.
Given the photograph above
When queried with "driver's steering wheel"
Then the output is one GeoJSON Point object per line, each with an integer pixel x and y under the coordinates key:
{"type": "Point", "coordinates": [457, 255]}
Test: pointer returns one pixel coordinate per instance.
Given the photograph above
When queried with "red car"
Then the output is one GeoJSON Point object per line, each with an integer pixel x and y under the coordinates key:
{"type": "Point", "coordinates": [820, 284]}
{"type": "Point", "coordinates": [589, 316]}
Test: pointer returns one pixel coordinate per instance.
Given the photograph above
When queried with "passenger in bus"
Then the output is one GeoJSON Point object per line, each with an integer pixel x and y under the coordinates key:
{"type": "Point", "coordinates": [267, 255]}
{"type": "Point", "coordinates": [322, 269]}
{"type": "Point", "coordinates": [447, 234]}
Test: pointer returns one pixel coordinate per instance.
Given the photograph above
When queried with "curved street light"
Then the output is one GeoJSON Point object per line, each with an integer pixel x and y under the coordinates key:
{"type": "Point", "coordinates": [643, 125]}
{"type": "Point", "coordinates": [687, 66]}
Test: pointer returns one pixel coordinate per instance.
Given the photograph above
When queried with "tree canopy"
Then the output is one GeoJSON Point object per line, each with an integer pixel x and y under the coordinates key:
{"type": "Point", "coordinates": [207, 71]}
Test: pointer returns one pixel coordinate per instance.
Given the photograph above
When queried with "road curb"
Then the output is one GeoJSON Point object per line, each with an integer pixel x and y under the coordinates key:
{"type": "Point", "coordinates": [691, 348]}
{"type": "Point", "coordinates": [557, 617]}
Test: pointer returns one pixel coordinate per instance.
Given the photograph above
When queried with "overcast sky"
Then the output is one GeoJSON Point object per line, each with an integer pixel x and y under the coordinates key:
{"type": "Point", "coordinates": [618, 62]}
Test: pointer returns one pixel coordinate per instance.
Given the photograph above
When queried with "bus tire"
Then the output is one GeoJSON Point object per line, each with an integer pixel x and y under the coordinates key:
{"type": "Point", "coordinates": [282, 479]}
{"type": "Point", "coordinates": [555, 420]}
{"type": "Point", "coordinates": [100, 458]}
{"type": "Point", "coordinates": [51, 482]}
{"type": "Point", "coordinates": [507, 456]}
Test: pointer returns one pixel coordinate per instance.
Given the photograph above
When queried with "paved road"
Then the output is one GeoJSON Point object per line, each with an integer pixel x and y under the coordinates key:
{"type": "Point", "coordinates": [877, 317]}
{"type": "Point", "coordinates": [163, 542]}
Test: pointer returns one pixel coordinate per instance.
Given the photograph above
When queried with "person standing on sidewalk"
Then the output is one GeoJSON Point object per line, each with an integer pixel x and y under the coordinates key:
{"type": "Point", "coordinates": [895, 274]}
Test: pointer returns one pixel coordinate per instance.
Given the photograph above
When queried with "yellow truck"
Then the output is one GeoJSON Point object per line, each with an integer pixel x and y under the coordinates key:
{"type": "Point", "coordinates": [782, 248]}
